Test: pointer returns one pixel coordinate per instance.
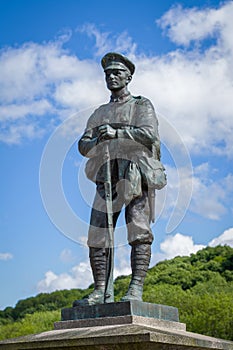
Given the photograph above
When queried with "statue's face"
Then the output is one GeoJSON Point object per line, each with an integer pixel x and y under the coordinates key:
{"type": "Point", "coordinates": [116, 79]}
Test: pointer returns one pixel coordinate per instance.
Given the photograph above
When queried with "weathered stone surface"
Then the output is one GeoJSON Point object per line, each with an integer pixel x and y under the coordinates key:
{"type": "Point", "coordinates": [128, 308]}
{"type": "Point", "coordinates": [125, 337]}
{"type": "Point", "coordinates": [130, 331]}
{"type": "Point", "coordinates": [120, 320]}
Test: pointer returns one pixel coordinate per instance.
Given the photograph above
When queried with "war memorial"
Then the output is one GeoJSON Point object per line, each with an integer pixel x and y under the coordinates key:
{"type": "Point", "coordinates": [121, 142]}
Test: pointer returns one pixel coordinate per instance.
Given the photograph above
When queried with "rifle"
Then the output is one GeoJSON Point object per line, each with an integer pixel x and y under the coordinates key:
{"type": "Point", "coordinates": [109, 290]}
{"type": "Point", "coordinates": [151, 195]}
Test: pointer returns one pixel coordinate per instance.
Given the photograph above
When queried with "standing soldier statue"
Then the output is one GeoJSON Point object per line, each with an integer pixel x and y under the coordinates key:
{"type": "Point", "coordinates": [122, 143]}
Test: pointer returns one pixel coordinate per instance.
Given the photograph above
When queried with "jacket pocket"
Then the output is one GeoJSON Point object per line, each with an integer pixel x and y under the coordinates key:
{"type": "Point", "coordinates": [153, 172]}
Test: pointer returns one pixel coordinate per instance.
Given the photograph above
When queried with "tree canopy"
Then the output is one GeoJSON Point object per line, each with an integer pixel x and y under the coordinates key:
{"type": "Point", "coordinates": [200, 286]}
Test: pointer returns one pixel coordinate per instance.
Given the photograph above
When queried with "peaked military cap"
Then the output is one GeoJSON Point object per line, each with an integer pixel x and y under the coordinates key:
{"type": "Point", "coordinates": [113, 60]}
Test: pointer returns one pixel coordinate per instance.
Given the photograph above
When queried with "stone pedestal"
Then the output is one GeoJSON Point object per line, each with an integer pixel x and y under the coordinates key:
{"type": "Point", "coordinates": [123, 313]}
{"type": "Point", "coordinates": [127, 308]}
{"type": "Point", "coordinates": [129, 326]}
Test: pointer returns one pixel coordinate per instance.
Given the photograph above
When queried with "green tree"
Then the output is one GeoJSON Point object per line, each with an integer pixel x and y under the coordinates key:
{"type": "Point", "coordinates": [36, 323]}
{"type": "Point", "coordinates": [200, 286]}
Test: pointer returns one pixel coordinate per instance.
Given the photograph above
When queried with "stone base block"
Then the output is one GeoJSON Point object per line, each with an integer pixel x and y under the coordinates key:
{"type": "Point", "coordinates": [128, 326]}
{"type": "Point", "coordinates": [127, 308]}
{"type": "Point", "coordinates": [120, 320]}
{"type": "Point", "coordinates": [116, 337]}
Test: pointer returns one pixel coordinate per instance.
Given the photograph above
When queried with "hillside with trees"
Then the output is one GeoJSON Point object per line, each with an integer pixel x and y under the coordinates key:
{"type": "Point", "coordinates": [200, 286]}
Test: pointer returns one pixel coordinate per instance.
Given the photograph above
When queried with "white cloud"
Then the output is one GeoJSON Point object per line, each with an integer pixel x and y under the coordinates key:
{"type": "Point", "coordinates": [16, 111]}
{"type": "Point", "coordinates": [194, 87]}
{"type": "Point", "coordinates": [38, 80]}
{"type": "Point", "coordinates": [14, 134]}
{"type": "Point", "coordinates": [191, 90]}
{"type": "Point", "coordinates": [179, 245]}
{"type": "Point", "coordinates": [225, 238]}
{"type": "Point", "coordinates": [185, 25]}
{"type": "Point", "coordinates": [207, 201]}
{"type": "Point", "coordinates": [194, 91]}
{"type": "Point", "coordinates": [79, 277]}
{"type": "Point", "coordinates": [122, 258]}
{"type": "Point", "coordinates": [183, 245]}
{"type": "Point", "coordinates": [209, 197]}
{"type": "Point", "coordinates": [190, 87]}
{"type": "Point", "coordinates": [106, 41]}
{"type": "Point", "coordinates": [187, 86]}
{"type": "Point", "coordinates": [6, 256]}
{"type": "Point", "coordinates": [176, 181]}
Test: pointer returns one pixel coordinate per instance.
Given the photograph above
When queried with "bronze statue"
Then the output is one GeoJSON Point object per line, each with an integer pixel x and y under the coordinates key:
{"type": "Point", "coordinates": [122, 143]}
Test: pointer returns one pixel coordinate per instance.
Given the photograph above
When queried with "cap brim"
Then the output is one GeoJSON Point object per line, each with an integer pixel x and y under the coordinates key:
{"type": "Point", "coordinates": [116, 65]}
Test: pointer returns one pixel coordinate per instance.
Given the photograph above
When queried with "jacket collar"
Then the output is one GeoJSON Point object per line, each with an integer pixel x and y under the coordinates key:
{"type": "Point", "coordinates": [123, 98]}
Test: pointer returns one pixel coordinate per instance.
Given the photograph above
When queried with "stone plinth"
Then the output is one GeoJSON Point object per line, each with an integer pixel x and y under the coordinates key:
{"type": "Point", "coordinates": [116, 337]}
{"type": "Point", "coordinates": [127, 308]}
{"type": "Point", "coordinates": [129, 312]}
{"type": "Point", "coordinates": [128, 326]}
{"type": "Point", "coordinates": [120, 320]}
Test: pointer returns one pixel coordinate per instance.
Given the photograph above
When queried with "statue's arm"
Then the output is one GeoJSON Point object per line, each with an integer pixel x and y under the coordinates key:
{"type": "Point", "coordinates": [87, 143]}
{"type": "Point", "coordinates": [145, 125]}
{"type": "Point", "coordinates": [89, 139]}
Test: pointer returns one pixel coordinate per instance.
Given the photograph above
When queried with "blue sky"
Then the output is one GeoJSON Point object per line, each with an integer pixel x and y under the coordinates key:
{"type": "Point", "coordinates": [51, 81]}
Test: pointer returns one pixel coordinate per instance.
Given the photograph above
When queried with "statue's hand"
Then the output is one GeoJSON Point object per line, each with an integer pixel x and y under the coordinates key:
{"type": "Point", "coordinates": [106, 132]}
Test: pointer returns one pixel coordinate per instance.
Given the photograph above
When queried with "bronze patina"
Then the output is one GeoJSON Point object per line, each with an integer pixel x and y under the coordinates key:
{"type": "Point", "coordinates": [122, 143]}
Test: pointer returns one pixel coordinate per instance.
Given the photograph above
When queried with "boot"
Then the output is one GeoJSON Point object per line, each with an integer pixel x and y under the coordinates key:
{"type": "Point", "coordinates": [98, 266]}
{"type": "Point", "coordinates": [140, 260]}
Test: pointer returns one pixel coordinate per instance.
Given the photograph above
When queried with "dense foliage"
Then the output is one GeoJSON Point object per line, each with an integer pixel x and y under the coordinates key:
{"type": "Point", "coordinates": [32, 323]}
{"type": "Point", "coordinates": [200, 286]}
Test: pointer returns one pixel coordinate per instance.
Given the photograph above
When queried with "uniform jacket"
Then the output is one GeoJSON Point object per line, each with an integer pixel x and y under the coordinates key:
{"type": "Point", "coordinates": [137, 140]}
